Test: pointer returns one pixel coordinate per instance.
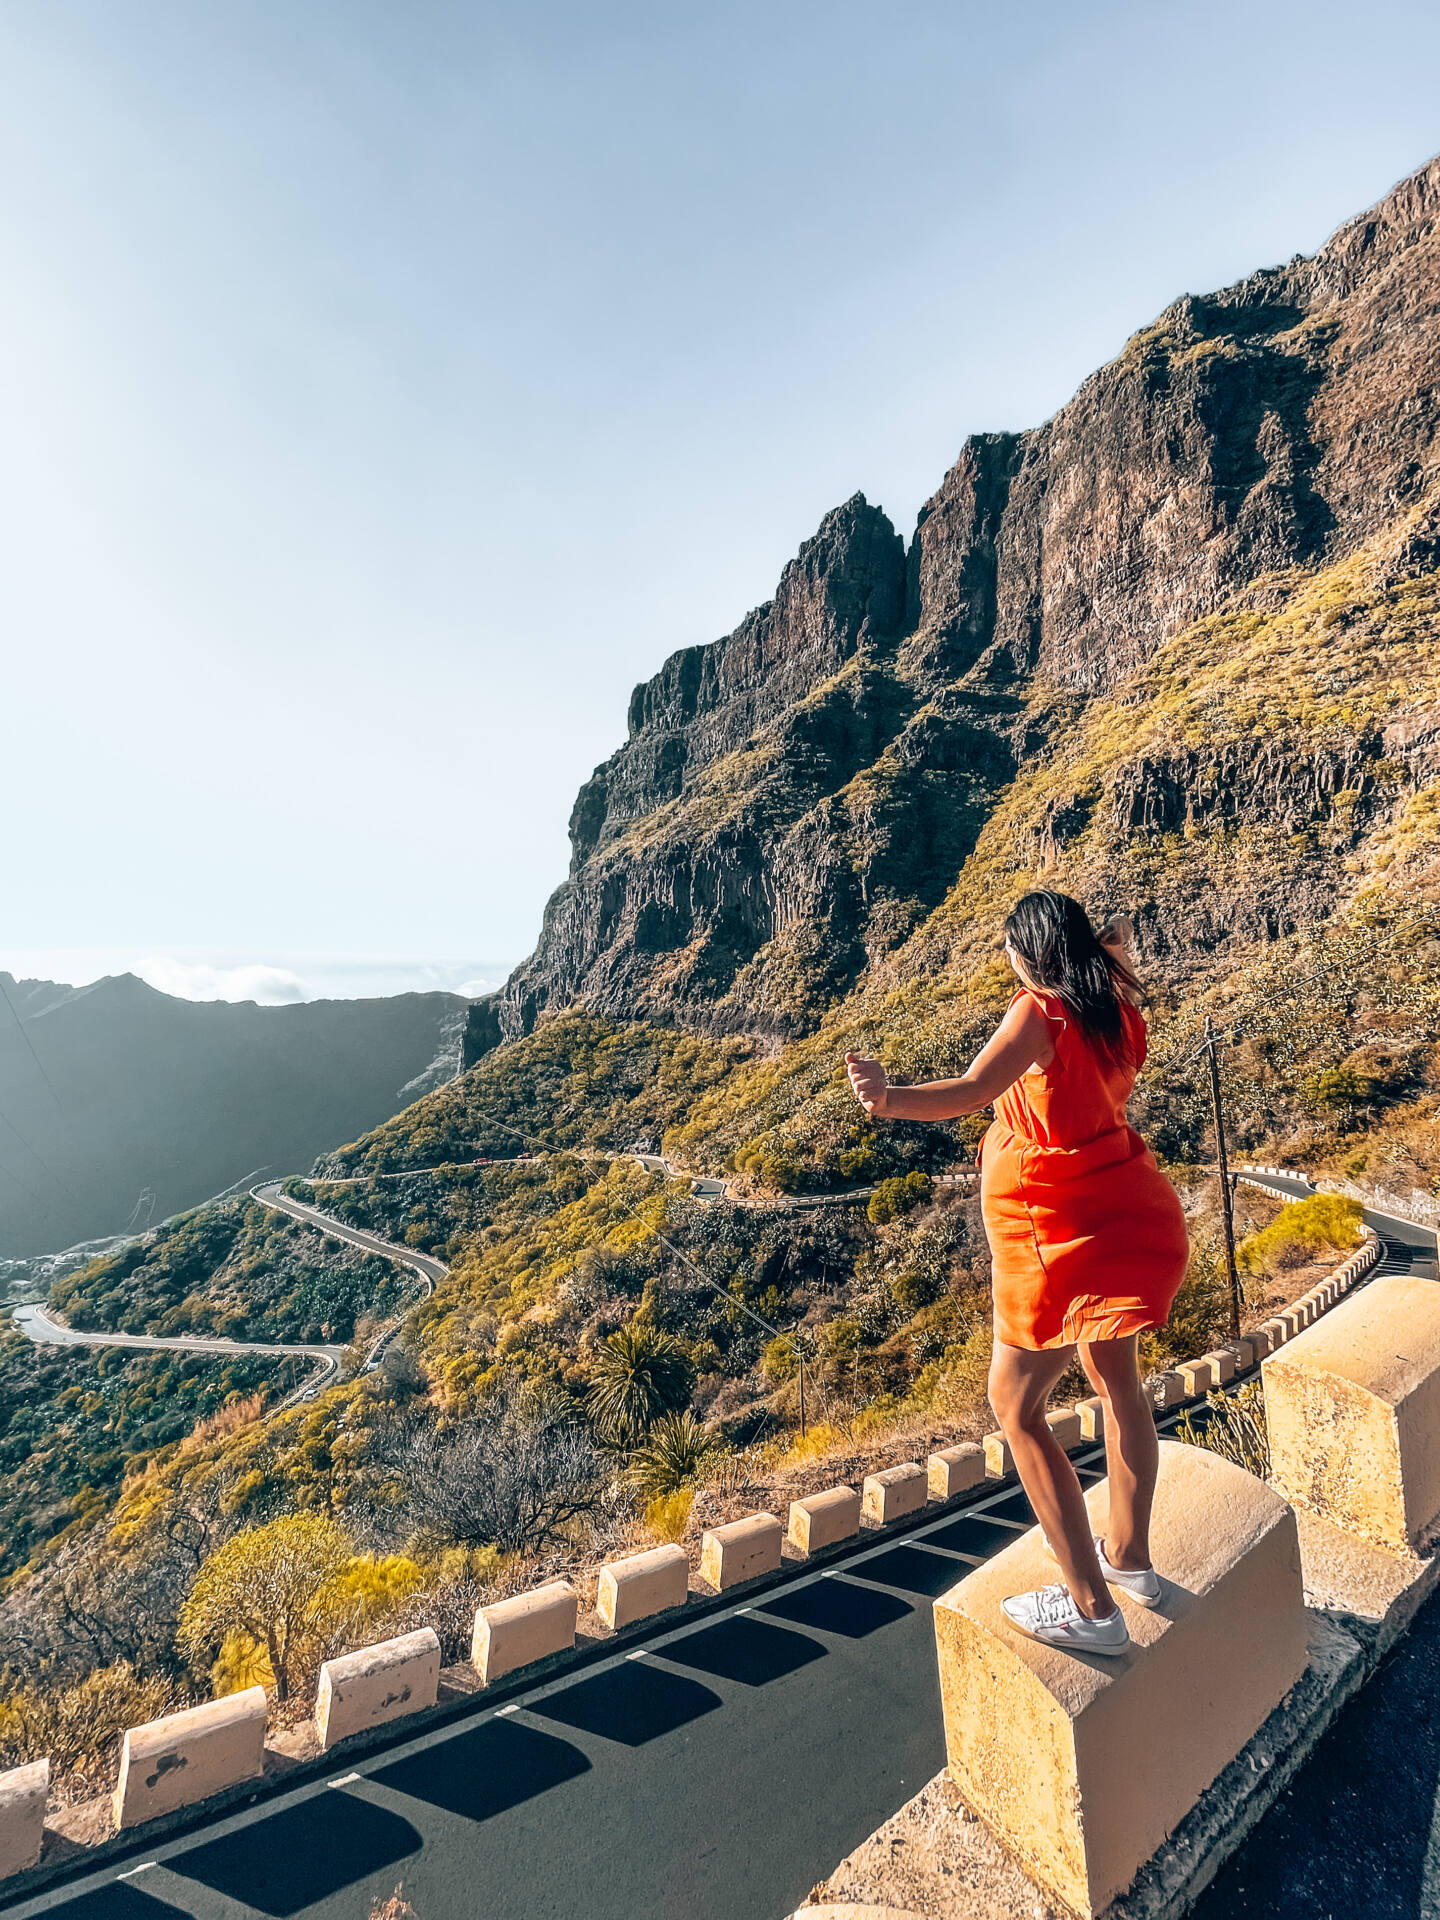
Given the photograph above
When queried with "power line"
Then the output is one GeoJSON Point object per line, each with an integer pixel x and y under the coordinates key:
{"type": "Point", "coordinates": [5, 1120]}
{"type": "Point", "coordinates": [30, 1044]}
{"type": "Point", "coordinates": [685, 1261]}
{"type": "Point", "coordinates": [23, 1184]}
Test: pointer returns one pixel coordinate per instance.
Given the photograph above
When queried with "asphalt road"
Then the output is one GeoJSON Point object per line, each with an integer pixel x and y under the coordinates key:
{"type": "Point", "coordinates": [36, 1324]}
{"type": "Point", "coordinates": [1358, 1835]}
{"type": "Point", "coordinates": [269, 1194]}
{"type": "Point", "coordinates": [721, 1770]}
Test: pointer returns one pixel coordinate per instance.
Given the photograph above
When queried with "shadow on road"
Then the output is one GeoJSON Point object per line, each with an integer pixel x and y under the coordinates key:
{"type": "Point", "coordinates": [117, 1902]}
{"type": "Point", "coordinates": [754, 1652]}
{"type": "Point", "coordinates": [486, 1770]}
{"type": "Point", "coordinates": [914, 1570]}
{"type": "Point", "coordinates": [633, 1703]}
{"type": "Point", "coordinates": [1014, 1507]}
{"type": "Point", "coordinates": [839, 1606]}
{"type": "Point", "coordinates": [976, 1537]}
{"type": "Point", "coordinates": [302, 1854]}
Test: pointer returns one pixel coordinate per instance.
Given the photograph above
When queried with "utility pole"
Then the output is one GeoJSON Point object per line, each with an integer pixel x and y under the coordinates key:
{"type": "Point", "coordinates": [1227, 1198]}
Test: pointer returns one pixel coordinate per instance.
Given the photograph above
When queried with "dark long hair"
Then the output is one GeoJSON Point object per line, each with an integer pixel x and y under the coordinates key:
{"type": "Point", "coordinates": [1053, 936]}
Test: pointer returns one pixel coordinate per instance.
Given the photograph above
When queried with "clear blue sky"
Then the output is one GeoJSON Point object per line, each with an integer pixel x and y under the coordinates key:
{"type": "Point", "coordinates": [387, 388]}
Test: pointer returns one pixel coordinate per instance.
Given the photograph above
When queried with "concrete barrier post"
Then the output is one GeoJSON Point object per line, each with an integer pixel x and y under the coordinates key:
{"type": "Point", "coordinates": [894, 1492]}
{"type": "Point", "coordinates": [741, 1550]}
{"type": "Point", "coordinates": [1197, 1376]}
{"type": "Point", "coordinates": [641, 1584]}
{"type": "Point", "coordinates": [1167, 1388]}
{"type": "Point", "coordinates": [23, 1794]}
{"type": "Point", "coordinates": [998, 1458]}
{"type": "Point", "coordinates": [527, 1627]}
{"type": "Point", "coordinates": [955, 1470]}
{"type": "Point", "coordinates": [1353, 1410]}
{"type": "Point", "coordinates": [1064, 1423]}
{"type": "Point", "coordinates": [1081, 1766]}
{"type": "Point", "coordinates": [820, 1519]}
{"type": "Point", "coordinates": [374, 1685]}
{"type": "Point", "coordinates": [1091, 1414]}
{"type": "Point", "coordinates": [186, 1757]}
{"type": "Point", "coordinates": [1222, 1365]}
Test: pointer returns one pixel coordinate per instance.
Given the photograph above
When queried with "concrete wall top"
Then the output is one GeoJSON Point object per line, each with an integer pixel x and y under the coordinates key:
{"type": "Point", "coordinates": [1082, 1766]}
{"type": "Point", "coordinates": [1385, 1340]}
{"type": "Point", "coordinates": [1208, 1514]}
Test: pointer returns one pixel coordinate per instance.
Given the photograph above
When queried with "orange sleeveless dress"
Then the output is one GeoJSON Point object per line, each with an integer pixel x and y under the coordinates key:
{"type": "Point", "coordinates": [1087, 1236]}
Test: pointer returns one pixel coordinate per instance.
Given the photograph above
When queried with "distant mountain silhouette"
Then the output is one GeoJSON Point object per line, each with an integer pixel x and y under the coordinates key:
{"type": "Point", "coordinates": [120, 1105]}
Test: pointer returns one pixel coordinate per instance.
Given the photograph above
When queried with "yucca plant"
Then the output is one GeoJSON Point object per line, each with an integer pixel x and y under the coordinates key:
{"type": "Point", "coordinates": [675, 1455]}
{"type": "Point", "coordinates": [640, 1374]}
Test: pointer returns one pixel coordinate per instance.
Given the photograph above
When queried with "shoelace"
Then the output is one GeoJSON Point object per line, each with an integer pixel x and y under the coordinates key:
{"type": "Point", "coordinates": [1054, 1607]}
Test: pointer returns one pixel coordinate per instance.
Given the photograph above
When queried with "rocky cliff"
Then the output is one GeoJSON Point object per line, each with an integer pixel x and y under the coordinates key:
{"type": "Point", "coordinates": [796, 799]}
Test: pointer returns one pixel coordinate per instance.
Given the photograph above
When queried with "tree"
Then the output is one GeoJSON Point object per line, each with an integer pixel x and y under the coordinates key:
{"type": "Point", "coordinates": [640, 1374]}
{"type": "Point", "coordinates": [515, 1476]}
{"type": "Point", "coordinates": [268, 1582]}
{"type": "Point", "coordinates": [897, 1196]}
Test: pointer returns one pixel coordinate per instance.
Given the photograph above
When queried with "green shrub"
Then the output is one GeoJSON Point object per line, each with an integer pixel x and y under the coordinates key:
{"type": "Point", "coordinates": [1302, 1229]}
{"type": "Point", "coordinates": [668, 1513]}
{"type": "Point", "coordinates": [897, 1196]}
{"type": "Point", "coordinates": [640, 1375]}
{"type": "Point", "coordinates": [780, 1360]}
{"type": "Point", "coordinates": [1337, 1090]}
{"type": "Point", "coordinates": [916, 1288]}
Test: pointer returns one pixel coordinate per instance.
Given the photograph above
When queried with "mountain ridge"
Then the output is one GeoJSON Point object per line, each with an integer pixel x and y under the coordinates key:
{"type": "Point", "coordinates": [116, 1091]}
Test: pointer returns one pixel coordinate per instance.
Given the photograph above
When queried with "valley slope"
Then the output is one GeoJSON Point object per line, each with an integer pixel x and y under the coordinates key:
{"type": "Point", "coordinates": [114, 1091]}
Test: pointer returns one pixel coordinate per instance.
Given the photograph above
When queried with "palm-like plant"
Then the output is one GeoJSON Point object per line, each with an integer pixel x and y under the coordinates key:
{"type": "Point", "coordinates": [675, 1455]}
{"type": "Point", "coordinates": [640, 1374]}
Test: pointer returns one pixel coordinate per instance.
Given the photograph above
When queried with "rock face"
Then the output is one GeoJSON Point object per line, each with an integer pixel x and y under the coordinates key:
{"type": "Point", "coordinates": [794, 798]}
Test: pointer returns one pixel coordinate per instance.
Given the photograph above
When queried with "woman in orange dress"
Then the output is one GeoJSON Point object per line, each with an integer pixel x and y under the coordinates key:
{"type": "Point", "coordinates": [1087, 1243]}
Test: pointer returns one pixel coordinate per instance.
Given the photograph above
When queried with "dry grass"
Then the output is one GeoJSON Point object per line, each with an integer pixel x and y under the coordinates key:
{"type": "Point", "coordinates": [225, 1420]}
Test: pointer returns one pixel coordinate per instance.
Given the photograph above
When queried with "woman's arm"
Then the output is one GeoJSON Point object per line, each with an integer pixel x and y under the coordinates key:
{"type": "Point", "coordinates": [1021, 1041]}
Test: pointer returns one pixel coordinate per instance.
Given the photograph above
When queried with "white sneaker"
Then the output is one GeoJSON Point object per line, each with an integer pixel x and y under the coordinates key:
{"type": "Point", "coordinates": [1049, 1614]}
{"type": "Point", "coordinates": [1143, 1586]}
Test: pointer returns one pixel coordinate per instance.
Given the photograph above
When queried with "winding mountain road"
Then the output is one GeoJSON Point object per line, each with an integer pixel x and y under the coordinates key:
{"type": "Point", "coordinates": [37, 1325]}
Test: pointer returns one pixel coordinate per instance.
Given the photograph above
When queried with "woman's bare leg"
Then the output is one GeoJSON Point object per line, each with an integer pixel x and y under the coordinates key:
{"type": "Point", "coordinates": [1021, 1380]}
{"type": "Point", "coordinates": [1132, 1449]}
